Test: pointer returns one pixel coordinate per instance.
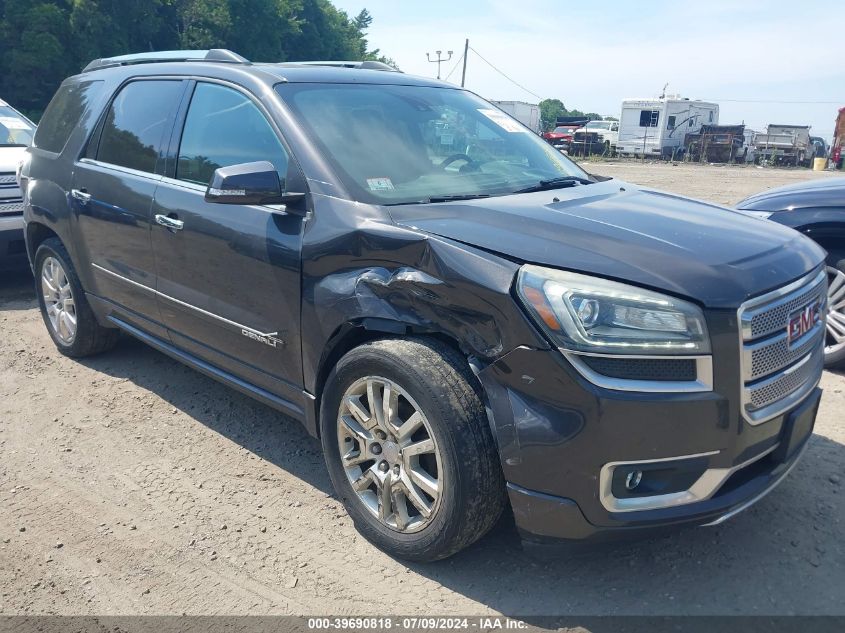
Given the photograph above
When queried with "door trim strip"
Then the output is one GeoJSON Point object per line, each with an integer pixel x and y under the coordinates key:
{"type": "Point", "coordinates": [186, 305]}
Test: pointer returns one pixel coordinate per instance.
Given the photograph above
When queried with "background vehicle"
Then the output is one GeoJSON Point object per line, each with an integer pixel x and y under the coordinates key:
{"type": "Point", "coordinates": [526, 113]}
{"type": "Point", "coordinates": [564, 132]}
{"type": "Point", "coordinates": [657, 127]}
{"type": "Point", "coordinates": [596, 137]}
{"type": "Point", "coordinates": [822, 149]}
{"type": "Point", "coordinates": [816, 209]}
{"type": "Point", "coordinates": [460, 330]}
{"type": "Point", "coordinates": [786, 144]}
{"type": "Point", "coordinates": [717, 144]}
{"type": "Point", "coordinates": [15, 135]}
{"type": "Point", "coordinates": [836, 153]}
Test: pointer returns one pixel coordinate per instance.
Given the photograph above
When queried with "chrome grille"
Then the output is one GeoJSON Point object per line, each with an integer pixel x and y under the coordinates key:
{"type": "Point", "coordinates": [8, 179]}
{"type": "Point", "coordinates": [12, 206]}
{"type": "Point", "coordinates": [775, 318]}
{"type": "Point", "coordinates": [782, 384]}
{"type": "Point", "coordinates": [775, 353]}
{"type": "Point", "coordinates": [775, 374]}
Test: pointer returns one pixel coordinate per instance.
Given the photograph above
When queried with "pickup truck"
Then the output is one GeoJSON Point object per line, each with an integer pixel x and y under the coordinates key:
{"type": "Point", "coordinates": [562, 135]}
{"type": "Point", "coordinates": [785, 144]}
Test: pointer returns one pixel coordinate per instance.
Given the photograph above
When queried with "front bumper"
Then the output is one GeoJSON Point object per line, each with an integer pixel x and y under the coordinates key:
{"type": "Point", "coordinates": [557, 432]}
{"type": "Point", "coordinates": [12, 246]}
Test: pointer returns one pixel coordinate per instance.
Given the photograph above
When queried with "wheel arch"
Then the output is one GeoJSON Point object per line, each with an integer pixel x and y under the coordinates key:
{"type": "Point", "coordinates": [36, 234]}
{"type": "Point", "coordinates": [355, 333]}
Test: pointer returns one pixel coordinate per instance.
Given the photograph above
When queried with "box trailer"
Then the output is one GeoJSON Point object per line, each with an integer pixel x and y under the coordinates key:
{"type": "Point", "coordinates": [526, 113]}
{"type": "Point", "coordinates": [657, 127]}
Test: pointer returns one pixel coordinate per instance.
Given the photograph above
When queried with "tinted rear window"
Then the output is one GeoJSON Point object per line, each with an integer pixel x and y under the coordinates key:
{"type": "Point", "coordinates": [64, 113]}
{"type": "Point", "coordinates": [136, 124]}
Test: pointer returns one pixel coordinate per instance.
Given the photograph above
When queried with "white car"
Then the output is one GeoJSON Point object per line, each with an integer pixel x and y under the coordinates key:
{"type": "Point", "coordinates": [16, 132]}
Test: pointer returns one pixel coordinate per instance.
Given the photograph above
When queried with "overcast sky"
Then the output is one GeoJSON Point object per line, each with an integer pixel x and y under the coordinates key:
{"type": "Point", "coordinates": [594, 55]}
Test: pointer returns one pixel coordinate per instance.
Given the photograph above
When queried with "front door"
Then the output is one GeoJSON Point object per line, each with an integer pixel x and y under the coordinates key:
{"type": "Point", "coordinates": [112, 194]}
{"type": "Point", "coordinates": [229, 275]}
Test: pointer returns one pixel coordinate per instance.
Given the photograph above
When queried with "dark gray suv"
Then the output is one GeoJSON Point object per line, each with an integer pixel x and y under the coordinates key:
{"type": "Point", "coordinates": [467, 319]}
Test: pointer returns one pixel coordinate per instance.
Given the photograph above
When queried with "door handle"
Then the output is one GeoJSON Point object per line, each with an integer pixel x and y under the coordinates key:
{"type": "Point", "coordinates": [170, 223]}
{"type": "Point", "coordinates": [80, 194]}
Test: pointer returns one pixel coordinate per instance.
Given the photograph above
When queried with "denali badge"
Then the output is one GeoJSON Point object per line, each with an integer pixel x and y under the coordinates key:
{"type": "Point", "coordinates": [803, 321]}
{"type": "Point", "coordinates": [267, 340]}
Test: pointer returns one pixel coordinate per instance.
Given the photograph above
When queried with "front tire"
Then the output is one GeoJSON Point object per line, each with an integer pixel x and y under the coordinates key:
{"type": "Point", "coordinates": [834, 351]}
{"type": "Point", "coordinates": [409, 448]}
{"type": "Point", "coordinates": [68, 316]}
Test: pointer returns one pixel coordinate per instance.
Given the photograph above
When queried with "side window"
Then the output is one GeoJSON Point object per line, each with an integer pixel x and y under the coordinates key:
{"type": "Point", "coordinates": [224, 127]}
{"type": "Point", "coordinates": [136, 124]}
{"type": "Point", "coordinates": [649, 118]}
{"type": "Point", "coordinates": [65, 111]}
{"type": "Point", "coordinates": [670, 122]}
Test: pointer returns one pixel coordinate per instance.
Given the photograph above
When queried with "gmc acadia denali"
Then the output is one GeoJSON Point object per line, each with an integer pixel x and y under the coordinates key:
{"type": "Point", "coordinates": [465, 318]}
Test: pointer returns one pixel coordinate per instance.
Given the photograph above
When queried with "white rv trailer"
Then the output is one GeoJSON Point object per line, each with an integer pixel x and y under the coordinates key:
{"type": "Point", "coordinates": [657, 127]}
{"type": "Point", "coordinates": [526, 113]}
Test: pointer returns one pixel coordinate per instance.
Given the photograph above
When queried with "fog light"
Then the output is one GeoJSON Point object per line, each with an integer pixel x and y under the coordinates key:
{"type": "Point", "coordinates": [633, 479]}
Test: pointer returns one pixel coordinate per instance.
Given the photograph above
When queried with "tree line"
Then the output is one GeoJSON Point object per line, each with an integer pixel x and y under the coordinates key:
{"type": "Point", "coordinates": [44, 41]}
{"type": "Point", "coordinates": [551, 109]}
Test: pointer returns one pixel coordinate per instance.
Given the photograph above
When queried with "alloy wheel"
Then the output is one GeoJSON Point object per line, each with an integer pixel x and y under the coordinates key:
{"type": "Point", "coordinates": [58, 300]}
{"type": "Point", "coordinates": [390, 454]}
{"type": "Point", "coordinates": [835, 335]}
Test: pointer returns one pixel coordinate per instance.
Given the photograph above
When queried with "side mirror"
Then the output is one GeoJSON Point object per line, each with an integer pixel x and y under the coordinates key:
{"type": "Point", "coordinates": [248, 183]}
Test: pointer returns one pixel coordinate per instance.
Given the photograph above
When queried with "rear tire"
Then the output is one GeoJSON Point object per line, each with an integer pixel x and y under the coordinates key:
{"type": "Point", "coordinates": [68, 316]}
{"type": "Point", "coordinates": [834, 351]}
{"type": "Point", "coordinates": [462, 482]}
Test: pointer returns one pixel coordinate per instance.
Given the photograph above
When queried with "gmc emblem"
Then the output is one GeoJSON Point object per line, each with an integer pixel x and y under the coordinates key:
{"type": "Point", "coordinates": [803, 321]}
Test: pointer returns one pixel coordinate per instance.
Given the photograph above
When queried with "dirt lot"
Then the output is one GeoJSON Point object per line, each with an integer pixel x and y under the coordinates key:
{"type": "Point", "coordinates": [130, 484]}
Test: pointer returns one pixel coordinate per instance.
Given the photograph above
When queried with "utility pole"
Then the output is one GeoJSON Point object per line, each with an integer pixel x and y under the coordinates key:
{"type": "Point", "coordinates": [464, 73]}
{"type": "Point", "coordinates": [439, 60]}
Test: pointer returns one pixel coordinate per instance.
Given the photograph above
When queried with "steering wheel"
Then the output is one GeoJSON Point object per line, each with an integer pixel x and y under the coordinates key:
{"type": "Point", "coordinates": [451, 159]}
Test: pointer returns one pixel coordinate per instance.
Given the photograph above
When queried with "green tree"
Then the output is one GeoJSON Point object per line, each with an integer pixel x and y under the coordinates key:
{"type": "Point", "coordinates": [44, 41]}
{"type": "Point", "coordinates": [550, 110]}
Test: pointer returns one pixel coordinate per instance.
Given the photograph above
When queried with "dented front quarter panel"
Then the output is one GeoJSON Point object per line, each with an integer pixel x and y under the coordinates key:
{"type": "Point", "coordinates": [359, 267]}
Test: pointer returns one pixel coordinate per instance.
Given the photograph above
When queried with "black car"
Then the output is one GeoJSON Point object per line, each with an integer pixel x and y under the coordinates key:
{"type": "Point", "coordinates": [465, 328]}
{"type": "Point", "coordinates": [816, 209]}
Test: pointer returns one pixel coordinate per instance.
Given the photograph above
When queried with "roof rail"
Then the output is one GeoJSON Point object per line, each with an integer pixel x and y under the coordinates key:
{"type": "Point", "coordinates": [212, 55]}
{"type": "Point", "coordinates": [361, 65]}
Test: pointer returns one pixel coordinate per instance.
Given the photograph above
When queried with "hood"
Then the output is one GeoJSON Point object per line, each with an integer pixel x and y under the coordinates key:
{"type": "Point", "coordinates": [713, 255]}
{"type": "Point", "coordinates": [10, 158]}
{"type": "Point", "coordinates": [825, 192]}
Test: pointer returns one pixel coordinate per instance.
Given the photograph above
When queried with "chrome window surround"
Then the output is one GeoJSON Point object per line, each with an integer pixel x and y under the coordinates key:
{"type": "Point", "coordinates": [796, 374]}
{"type": "Point", "coordinates": [704, 487]}
{"type": "Point", "coordinates": [702, 383]}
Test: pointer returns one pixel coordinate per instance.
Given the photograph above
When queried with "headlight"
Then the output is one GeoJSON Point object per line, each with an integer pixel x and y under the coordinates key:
{"type": "Point", "coordinates": [590, 314]}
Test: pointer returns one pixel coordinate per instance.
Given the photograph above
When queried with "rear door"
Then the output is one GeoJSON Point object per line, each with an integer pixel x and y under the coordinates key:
{"type": "Point", "coordinates": [229, 275]}
{"type": "Point", "coordinates": [113, 189]}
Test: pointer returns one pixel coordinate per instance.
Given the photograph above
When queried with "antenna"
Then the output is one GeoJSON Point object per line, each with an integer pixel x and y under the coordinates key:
{"type": "Point", "coordinates": [663, 94]}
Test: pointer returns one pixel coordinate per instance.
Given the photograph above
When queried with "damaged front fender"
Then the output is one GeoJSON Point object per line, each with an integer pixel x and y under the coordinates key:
{"type": "Point", "coordinates": [362, 267]}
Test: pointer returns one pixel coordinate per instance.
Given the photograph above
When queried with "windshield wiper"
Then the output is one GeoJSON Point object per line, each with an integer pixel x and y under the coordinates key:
{"type": "Point", "coordinates": [556, 183]}
{"type": "Point", "coordinates": [444, 198]}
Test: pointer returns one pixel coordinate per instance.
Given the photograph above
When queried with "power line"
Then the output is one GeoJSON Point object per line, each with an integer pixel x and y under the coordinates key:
{"type": "Point", "coordinates": [515, 83]}
{"type": "Point", "coordinates": [454, 68]}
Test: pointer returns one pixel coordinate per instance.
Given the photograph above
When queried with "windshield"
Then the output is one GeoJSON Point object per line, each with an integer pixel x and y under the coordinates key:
{"type": "Point", "coordinates": [401, 144]}
{"type": "Point", "coordinates": [14, 129]}
{"type": "Point", "coordinates": [598, 125]}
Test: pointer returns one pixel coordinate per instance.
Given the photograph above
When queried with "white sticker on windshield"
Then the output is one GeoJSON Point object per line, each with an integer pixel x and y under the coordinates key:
{"type": "Point", "coordinates": [11, 123]}
{"type": "Point", "coordinates": [380, 184]}
{"type": "Point", "coordinates": [502, 120]}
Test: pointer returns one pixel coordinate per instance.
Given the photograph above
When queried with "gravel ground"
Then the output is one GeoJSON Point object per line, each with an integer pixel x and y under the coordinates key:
{"type": "Point", "coordinates": [130, 484]}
